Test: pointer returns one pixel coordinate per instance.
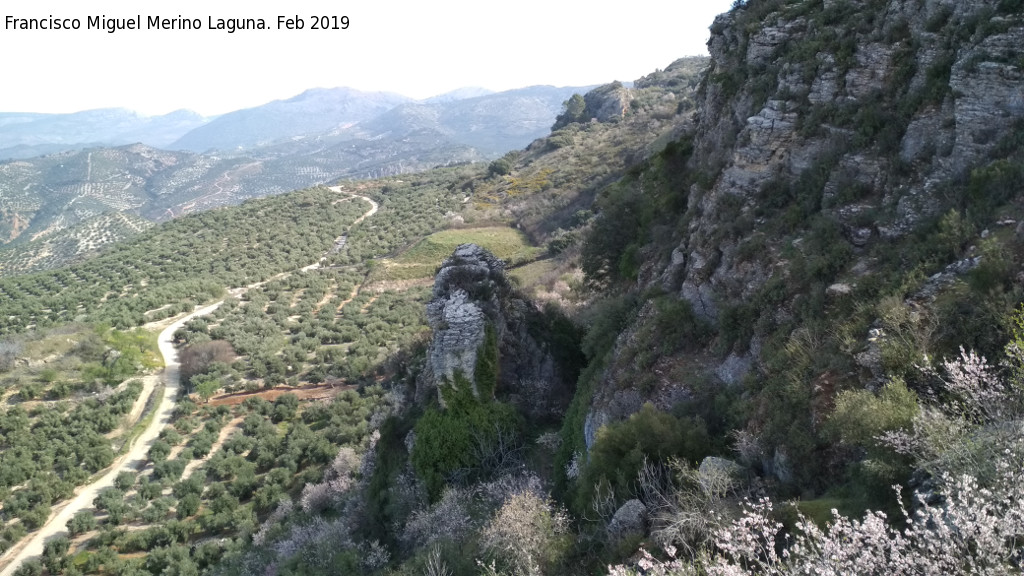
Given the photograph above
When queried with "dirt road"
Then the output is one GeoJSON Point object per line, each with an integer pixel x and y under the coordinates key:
{"type": "Point", "coordinates": [132, 460]}
{"type": "Point", "coordinates": [373, 210]}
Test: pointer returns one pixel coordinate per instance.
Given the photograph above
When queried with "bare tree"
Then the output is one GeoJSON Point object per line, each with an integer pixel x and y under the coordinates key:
{"type": "Point", "coordinates": [197, 358]}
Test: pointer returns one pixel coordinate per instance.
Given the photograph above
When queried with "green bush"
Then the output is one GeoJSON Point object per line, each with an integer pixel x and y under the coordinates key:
{"type": "Point", "coordinates": [621, 449]}
{"type": "Point", "coordinates": [462, 438]}
{"type": "Point", "coordinates": [500, 167]}
{"type": "Point", "coordinates": [991, 186]}
{"type": "Point", "coordinates": [677, 327]}
{"type": "Point", "coordinates": [860, 415]}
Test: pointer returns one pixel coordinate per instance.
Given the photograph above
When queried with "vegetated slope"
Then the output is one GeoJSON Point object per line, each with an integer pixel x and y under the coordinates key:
{"type": "Point", "coordinates": [549, 187]}
{"type": "Point", "coordinates": [67, 395]}
{"type": "Point", "coordinates": [41, 198]}
{"type": "Point", "coordinates": [355, 155]}
{"type": "Point", "coordinates": [847, 201]}
{"type": "Point", "coordinates": [68, 245]}
{"type": "Point", "coordinates": [300, 338]}
{"type": "Point", "coordinates": [45, 194]}
{"type": "Point", "coordinates": [168, 268]}
{"type": "Point", "coordinates": [171, 267]}
{"type": "Point", "coordinates": [422, 259]}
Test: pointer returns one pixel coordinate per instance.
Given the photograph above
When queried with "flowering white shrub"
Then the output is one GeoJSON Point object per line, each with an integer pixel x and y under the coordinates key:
{"type": "Point", "coordinates": [971, 440]}
{"type": "Point", "coordinates": [973, 418]}
{"type": "Point", "coordinates": [572, 469]}
{"type": "Point", "coordinates": [373, 556]}
{"type": "Point", "coordinates": [338, 479]}
{"type": "Point", "coordinates": [498, 491]}
{"type": "Point", "coordinates": [650, 566]}
{"type": "Point", "coordinates": [448, 519]}
{"type": "Point", "coordinates": [975, 531]}
{"type": "Point", "coordinates": [527, 534]}
{"type": "Point", "coordinates": [283, 509]}
{"type": "Point", "coordinates": [971, 389]}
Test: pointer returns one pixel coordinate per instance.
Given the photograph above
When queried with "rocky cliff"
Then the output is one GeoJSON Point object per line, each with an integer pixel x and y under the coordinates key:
{"type": "Point", "coordinates": [474, 313]}
{"type": "Point", "coordinates": [832, 138]}
{"type": "Point", "coordinates": [884, 116]}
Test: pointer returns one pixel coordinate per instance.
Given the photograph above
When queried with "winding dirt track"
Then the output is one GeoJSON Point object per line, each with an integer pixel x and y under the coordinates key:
{"type": "Point", "coordinates": [373, 205]}
{"type": "Point", "coordinates": [32, 545]}
{"type": "Point", "coordinates": [373, 210]}
{"type": "Point", "coordinates": [132, 460]}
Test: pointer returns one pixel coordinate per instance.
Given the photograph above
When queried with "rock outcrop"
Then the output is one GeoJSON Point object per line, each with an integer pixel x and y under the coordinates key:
{"type": "Point", "coordinates": [471, 298]}
{"type": "Point", "coordinates": [863, 117]}
{"type": "Point", "coordinates": [607, 102]}
{"type": "Point", "coordinates": [631, 519]}
{"type": "Point", "coordinates": [887, 117]}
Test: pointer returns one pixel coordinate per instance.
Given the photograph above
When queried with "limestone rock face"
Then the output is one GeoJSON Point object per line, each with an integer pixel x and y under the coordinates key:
{"type": "Point", "coordinates": [607, 102]}
{"type": "Point", "coordinates": [464, 299]}
{"type": "Point", "coordinates": [961, 94]}
{"type": "Point", "coordinates": [471, 293]}
{"type": "Point", "coordinates": [872, 122]}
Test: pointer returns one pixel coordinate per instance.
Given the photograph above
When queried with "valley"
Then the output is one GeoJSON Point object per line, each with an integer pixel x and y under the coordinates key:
{"type": "Point", "coordinates": [315, 138]}
{"type": "Point", "coordinates": [160, 400]}
{"type": "Point", "coordinates": [759, 312]}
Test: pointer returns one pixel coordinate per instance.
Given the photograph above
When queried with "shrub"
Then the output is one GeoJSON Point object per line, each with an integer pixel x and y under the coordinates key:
{"type": "Point", "coordinates": [991, 186]}
{"type": "Point", "coordinates": [464, 439]}
{"type": "Point", "coordinates": [448, 519]}
{"type": "Point", "coordinates": [860, 416]}
{"type": "Point", "coordinates": [285, 407]}
{"type": "Point", "coordinates": [974, 531]}
{"type": "Point", "coordinates": [82, 522]}
{"type": "Point", "coordinates": [529, 534]}
{"type": "Point", "coordinates": [187, 506]}
{"type": "Point", "coordinates": [621, 449]}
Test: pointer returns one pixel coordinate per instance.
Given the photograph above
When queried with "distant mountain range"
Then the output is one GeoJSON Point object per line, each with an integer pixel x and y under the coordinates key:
{"type": "Point", "coordinates": [313, 111]}
{"type": "Point", "coordinates": [491, 122]}
{"type": "Point", "coordinates": [66, 171]}
{"type": "Point", "coordinates": [23, 135]}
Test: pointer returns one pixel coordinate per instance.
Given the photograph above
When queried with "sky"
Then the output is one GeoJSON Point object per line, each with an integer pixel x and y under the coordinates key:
{"type": "Point", "coordinates": [415, 48]}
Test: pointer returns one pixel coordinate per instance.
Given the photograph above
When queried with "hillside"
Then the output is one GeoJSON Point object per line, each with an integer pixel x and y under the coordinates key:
{"type": "Point", "coordinates": [317, 137]}
{"type": "Point", "coordinates": [68, 245]}
{"type": "Point", "coordinates": [837, 177]}
{"type": "Point", "coordinates": [491, 123]}
{"type": "Point", "coordinates": [313, 111]}
{"type": "Point", "coordinates": [741, 300]}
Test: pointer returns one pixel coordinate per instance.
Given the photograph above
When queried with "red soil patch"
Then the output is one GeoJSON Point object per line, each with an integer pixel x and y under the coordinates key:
{"type": "Point", "coordinates": [310, 392]}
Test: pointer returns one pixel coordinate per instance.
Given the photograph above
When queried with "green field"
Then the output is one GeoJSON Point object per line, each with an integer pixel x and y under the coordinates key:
{"type": "Point", "coordinates": [531, 274]}
{"type": "Point", "coordinates": [423, 258]}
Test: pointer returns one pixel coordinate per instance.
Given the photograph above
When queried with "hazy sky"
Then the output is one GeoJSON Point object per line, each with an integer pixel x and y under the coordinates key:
{"type": "Point", "coordinates": [415, 48]}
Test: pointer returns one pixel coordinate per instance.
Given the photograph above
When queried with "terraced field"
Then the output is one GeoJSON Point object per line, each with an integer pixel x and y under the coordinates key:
{"type": "Point", "coordinates": [423, 258]}
{"type": "Point", "coordinates": [65, 246]}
